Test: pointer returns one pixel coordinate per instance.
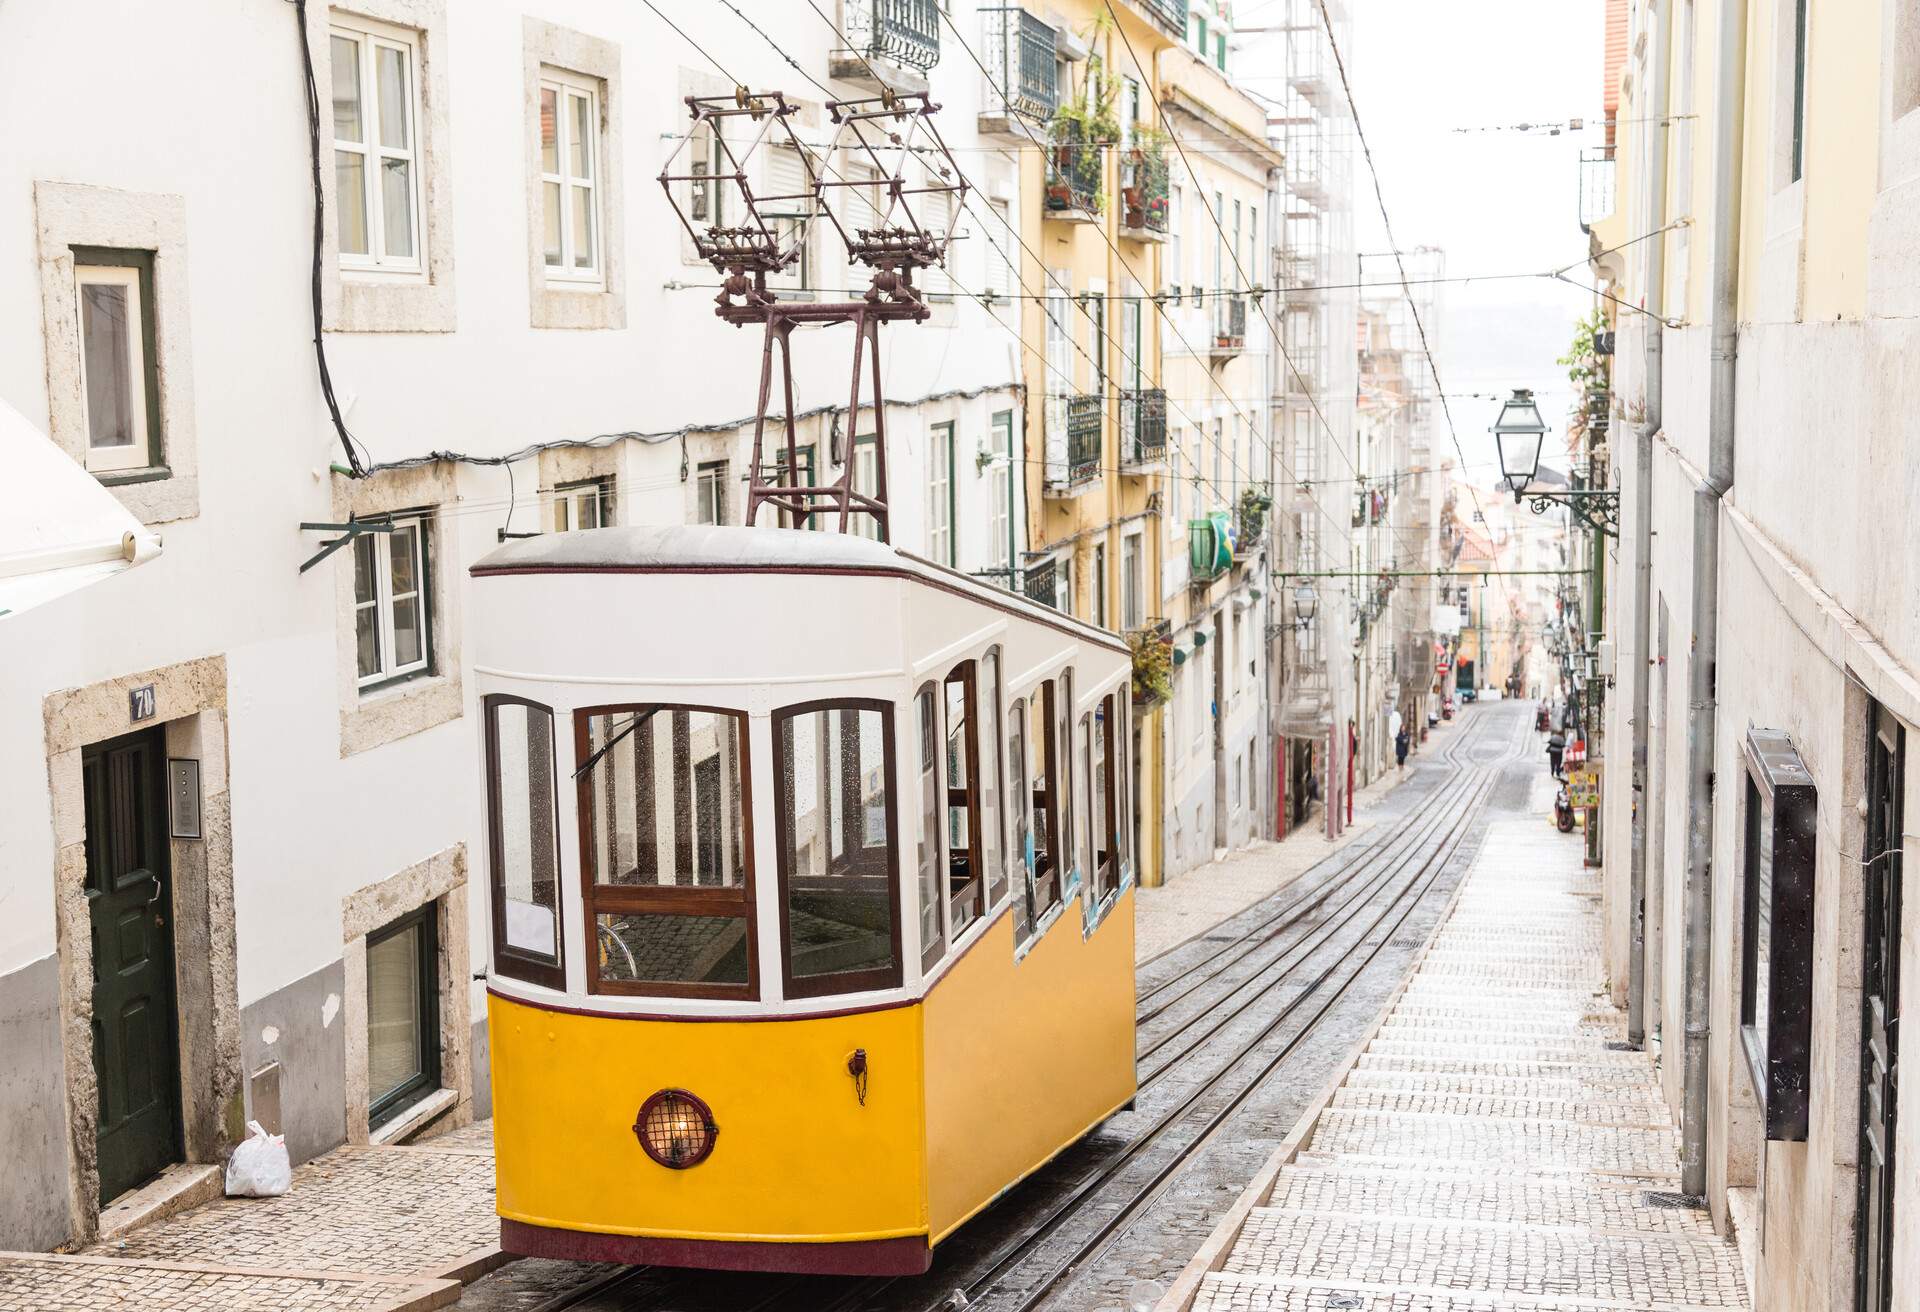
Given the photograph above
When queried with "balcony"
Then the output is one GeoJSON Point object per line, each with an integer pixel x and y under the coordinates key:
{"type": "Point", "coordinates": [1074, 169]}
{"type": "Point", "coordinates": [1143, 430]}
{"type": "Point", "coordinates": [1019, 51]}
{"type": "Point", "coordinates": [1143, 195]}
{"type": "Point", "coordinates": [1596, 186]}
{"type": "Point", "coordinates": [1209, 549]}
{"type": "Point", "coordinates": [1229, 326]}
{"type": "Point", "coordinates": [1073, 442]}
{"type": "Point", "coordinates": [891, 44]}
{"type": "Point", "coordinates": [1170, 14]}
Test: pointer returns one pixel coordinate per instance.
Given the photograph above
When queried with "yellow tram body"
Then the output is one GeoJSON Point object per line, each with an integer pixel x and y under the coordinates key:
{"type": "Point", "coordinates": [973, 1070]}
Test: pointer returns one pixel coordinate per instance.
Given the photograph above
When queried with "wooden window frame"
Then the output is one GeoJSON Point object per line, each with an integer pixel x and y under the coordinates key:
{"type": "Point", "coordinates": [717, 474]}
{"type": "Point", "coordinates": [391, 671]}
{"type": "Point", "coordinates": [568, 497]}
{"type": "Point", "coordinates": [1083, 797]}
{"type": "Point", "coordinates": [1106, 877]}
{"type": "Point", "coordinates": [597, 900]}
{"type": "Point", "coordinates": [567, 87]}
{"type": "Point", "coordinates": [974, 891]}
{"type": "Point", "coordinates": [994, 700]}
{"type": "Point", "coordinates": [366, 35]}
{"type": "Point", "coordinates": [847, 981]}
{"type": "Point", "coordinates": [133, 270]}
{"type": "Point", "coordinates": [424, 921]}
{"type": "Point", "coordinates": [932, 950]}
{"type": "Point", "coordinates": [514, 962]}
{"type": "Point", "coordinates": [1052, 883]}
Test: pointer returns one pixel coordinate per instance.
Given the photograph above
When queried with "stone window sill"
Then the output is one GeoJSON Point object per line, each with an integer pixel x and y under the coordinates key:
{"type": "Point", "coordinates": [415, 1118]}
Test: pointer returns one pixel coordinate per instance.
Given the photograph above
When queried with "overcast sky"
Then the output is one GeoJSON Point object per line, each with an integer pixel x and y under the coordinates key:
{"type": "Point", "coordinates": [1496, 202]}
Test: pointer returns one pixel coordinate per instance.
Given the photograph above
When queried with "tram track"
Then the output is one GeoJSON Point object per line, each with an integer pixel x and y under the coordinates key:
{"type": "Point", "coordinates": [1452, 810]}
{"type": "Point", "coordinates": [1392, 876]}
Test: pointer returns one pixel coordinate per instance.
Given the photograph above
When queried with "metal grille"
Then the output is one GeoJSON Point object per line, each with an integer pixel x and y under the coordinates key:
{"type": "Point", "coordinates": [1083, 436]}
{"type": "Point", "coordinates": [1019, 52]}
{"type": "Point", "coordinates": [905, 31]}
{"type": "Point", "coordinates": [1143, 424]}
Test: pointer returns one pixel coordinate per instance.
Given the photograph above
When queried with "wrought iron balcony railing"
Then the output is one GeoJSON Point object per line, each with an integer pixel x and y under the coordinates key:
{"type": "Point", "coordinates": [1019, 52]}
{"type": "Point", "coordinates": [1173, 13]}
{"type": "Point", "coordinates": [1083, 436]}
{"type": "Point", "coordinates": [1229, 324]}
{"type": "Point", "coordinates": [1143, 426]}
{"type": "Point", "coordinates": [1144, 193]}
{"type": "Point", "coordinates": [1073, 172]}
{"type": "Point", "coordinates": [904, 31]}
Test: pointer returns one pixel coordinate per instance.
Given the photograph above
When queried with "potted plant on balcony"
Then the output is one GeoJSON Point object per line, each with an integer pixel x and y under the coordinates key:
{"type": "Point", "coordinates": [1152, 667]}
{"type": "Point", "coordinates": [1082, 127]}
{"type": "Point", "coordinates": [1145, 195]}
{"type": "Point", "coordinates": [1255, 502]}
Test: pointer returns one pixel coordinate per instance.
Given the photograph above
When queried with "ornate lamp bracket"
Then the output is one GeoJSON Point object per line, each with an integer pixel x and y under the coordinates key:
{"type": "Point", "coordinates": [1599, 511]}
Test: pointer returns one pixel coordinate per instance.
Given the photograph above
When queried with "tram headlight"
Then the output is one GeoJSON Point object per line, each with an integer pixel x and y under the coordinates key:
{"type": "Point", "coordinates": [676, 1129]}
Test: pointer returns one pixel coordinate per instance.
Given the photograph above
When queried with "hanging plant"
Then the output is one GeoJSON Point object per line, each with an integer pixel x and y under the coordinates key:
{"type": "Point", "coordinates": [1152, 668]}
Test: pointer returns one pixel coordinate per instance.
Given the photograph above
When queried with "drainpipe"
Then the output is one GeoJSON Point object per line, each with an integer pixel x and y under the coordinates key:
{"type": "Point", "coordinates": [1643, 525]}
{"type": "Point", "coordinates": [1728, 142]}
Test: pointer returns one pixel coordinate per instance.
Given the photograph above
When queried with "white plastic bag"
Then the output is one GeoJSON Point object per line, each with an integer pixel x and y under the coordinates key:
{"type": "Point", "coordinates": [259, 1167]}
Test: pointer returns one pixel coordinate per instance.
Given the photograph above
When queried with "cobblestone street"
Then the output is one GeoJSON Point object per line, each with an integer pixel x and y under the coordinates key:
{"type": "Point", "coordinates": [1491, 1148]}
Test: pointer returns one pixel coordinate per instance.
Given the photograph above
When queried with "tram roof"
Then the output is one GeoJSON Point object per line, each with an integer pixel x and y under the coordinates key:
{"type": "Point", "coordinates": [727, 549]}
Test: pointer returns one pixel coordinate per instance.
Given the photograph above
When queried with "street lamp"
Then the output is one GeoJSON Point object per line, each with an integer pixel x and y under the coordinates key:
{"type": "Point", "coordinates": [1305, 602]}
{"type": "Point", "coordinates": [1519, 432]}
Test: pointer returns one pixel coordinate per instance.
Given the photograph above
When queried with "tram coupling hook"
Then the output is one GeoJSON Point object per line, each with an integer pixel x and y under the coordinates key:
{"type": "Point", "coordinates": [857, 1067]}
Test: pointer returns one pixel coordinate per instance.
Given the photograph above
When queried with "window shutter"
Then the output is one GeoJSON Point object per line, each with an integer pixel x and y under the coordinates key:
{"type": "Point", "coordinates": [936, 215]}
{"type": "Point", "coordinates": [1000, 244]}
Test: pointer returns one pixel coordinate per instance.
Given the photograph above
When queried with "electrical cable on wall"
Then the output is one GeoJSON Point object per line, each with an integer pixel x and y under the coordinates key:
{"type": "Point", "coordinates": [355, 467]}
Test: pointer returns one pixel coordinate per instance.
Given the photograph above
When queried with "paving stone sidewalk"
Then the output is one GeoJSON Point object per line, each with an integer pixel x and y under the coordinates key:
{"type": "Point", "coordinates": [1489, 1151]}
{"type": "Point", "coordinates": [364, 1229]}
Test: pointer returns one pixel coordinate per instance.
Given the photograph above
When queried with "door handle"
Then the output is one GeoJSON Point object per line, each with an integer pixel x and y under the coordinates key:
{"type": "Point", "coordinates": [155, 896]}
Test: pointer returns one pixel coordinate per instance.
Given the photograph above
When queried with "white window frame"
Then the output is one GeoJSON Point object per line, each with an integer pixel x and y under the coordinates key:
{"type": "Point", "coordinates": [367, 36]}
{"type": "Point", "coordinates": [569, 499]}
{"type": "Point", "coordinates": [567, 88]}
{"type": "Point", "coordinates": [941, 492]}
{"type": "Point", "coordinates": [714, 475]}
{"type": "Point", "coordinates": [1133, 557]}
{"type": "Point", "coordinates": [383, 601]}
{"type": "Point", "coordinates": [139, 453]}
{"type": "Point", "coordinates": [864, 457]}
{"type": "Point", "coordinates": [800, 276]}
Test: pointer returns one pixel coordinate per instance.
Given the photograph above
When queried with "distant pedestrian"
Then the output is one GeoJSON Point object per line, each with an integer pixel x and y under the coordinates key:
{"type": "Point", "coordinates": [1556, 748]}
{"type": "Point", "coordinates": [1401, 743]}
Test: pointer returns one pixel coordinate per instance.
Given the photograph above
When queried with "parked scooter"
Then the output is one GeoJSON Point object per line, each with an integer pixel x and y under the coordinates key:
{"type": "Point", "coordinates": [1562, 810]}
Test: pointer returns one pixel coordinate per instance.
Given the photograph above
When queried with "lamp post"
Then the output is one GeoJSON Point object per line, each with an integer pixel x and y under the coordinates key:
{"type": "Point", "coordinates": [1519, 432]}
{"type": "Point", "coordinates": [1306, 602]}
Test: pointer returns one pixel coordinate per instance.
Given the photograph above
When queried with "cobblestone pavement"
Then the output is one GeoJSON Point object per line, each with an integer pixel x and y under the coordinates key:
{"type": "Point", "coordinates": [1489, 1151]}
{"type": "Point", "coordinates": [362, 1229]}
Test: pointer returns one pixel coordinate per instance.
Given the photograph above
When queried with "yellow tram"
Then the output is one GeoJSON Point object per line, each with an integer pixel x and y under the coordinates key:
{"type": "Point", "coordinates": [811, 894]}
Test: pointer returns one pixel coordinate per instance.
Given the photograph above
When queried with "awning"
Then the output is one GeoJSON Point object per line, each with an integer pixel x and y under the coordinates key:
{"type": "Point", "coordinates": [59, 529]}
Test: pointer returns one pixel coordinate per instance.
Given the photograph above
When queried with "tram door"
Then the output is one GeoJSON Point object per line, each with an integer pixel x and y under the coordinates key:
{"type": "Point", "coordinates": [1880, 1002]}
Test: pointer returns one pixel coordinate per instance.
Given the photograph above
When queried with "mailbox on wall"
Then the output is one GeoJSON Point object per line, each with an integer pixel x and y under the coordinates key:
{"type": "Point", "coordinates": [1776, 943]}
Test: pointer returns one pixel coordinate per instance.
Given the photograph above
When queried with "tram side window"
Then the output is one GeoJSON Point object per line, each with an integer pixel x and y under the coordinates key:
{"type": "Point", "coordinates": [663, 805]}
{"type": "Point", "coordinates": [1047, 758]}
{"type": "Point", "coordinates": [1083, 799]}
{"type": "Point", "coordinates": [933, 943]}
{"type": "Point", "coordinates": [1065, 813]}
{"type": "Point", "coordinates": [839, 880]}
{"type": "Point", "coordinates": [523, 853]}
{"type": "Point", "coordinates": [1018, 800]}
{"type": "Point", "coordinates": [1106, 857]}
{"type": "Point", "coordinates": [993, 836]}
{"type": "Point", "coordinates": [965, 883]}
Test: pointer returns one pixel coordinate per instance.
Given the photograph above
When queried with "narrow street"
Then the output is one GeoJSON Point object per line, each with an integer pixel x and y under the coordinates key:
{"type": "Point", "coordinates": [1238, 1029]}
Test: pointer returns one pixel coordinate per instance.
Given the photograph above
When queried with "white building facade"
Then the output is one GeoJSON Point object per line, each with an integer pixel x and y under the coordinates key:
{"type": "Point", "coordinates": [245, 776]}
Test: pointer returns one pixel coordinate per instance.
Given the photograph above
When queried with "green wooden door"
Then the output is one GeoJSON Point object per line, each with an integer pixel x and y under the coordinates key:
{"type": "Point", "coordinates": [129, 902]}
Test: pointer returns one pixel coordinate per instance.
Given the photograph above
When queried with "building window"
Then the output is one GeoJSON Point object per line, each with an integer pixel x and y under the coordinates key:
{"type": "Point", "coordinates": [710, 493]}
{"type": "Point", "coordinates": [523, 846]}
{"type": "Point", "coordinates": [1000, 518]}
{"type": "Point", "coordinates": [375, 150]}
{"type": "Point", "coordinates": [1799, 88]}
{"type": "Point", "coordinates": [392, 615]}
{"type": "Point", "coordinates": [786, 207]}
{"type": "Point", "coordinates": [586, 504]}
{"type": "Point", "coordinates": [708, 162]}
{"type": "Point", "coordinates": [839, 883]}
{"type": "Point", "coordinates": [776, 474]}
{"type": "Point", "coordinates": [1001, 278]}
{"type": "Point", "coordinates": [866, 481]}
{"type": "Point", "coordinates": [1097, 586]}
{"type": "Point", "coordinates": [942, 542]}
{"type": "Point", "coordinates": [1175, 209]}
{"type": "Point", "coordinates": [120, 396]}
{"type": "Point", "coordinates": [1132, 603]}
{"type": "Point", "coordinates": [403, 1015]}
{"type": "Point", "coordinates": [668, 872]}
{"type": "Point", "coordinates": [1220, 51]}
{"type": "Point", "coordinates": [569, 188]}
